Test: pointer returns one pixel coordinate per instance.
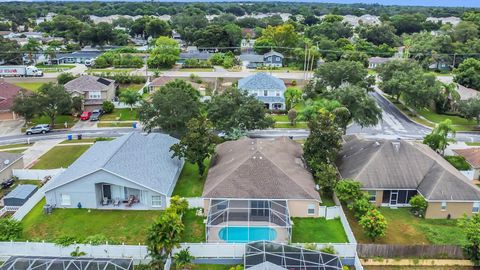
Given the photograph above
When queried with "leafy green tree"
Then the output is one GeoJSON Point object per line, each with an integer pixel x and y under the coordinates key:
{"type": "Point", "coordinates": [374, 224]}
{"type": "Point", "coordinates": [65, 77]}
{"type": "Point", "coordinates": [468, 73]}
{"type": "Point", "coordinates": [279, 37]}
{"type": "Point", "coordinates": [408, 23]}
{"type": "Point", "coordinates": [422, 90]}
{"type": "Point", "coordinates": [10, 51]}
{"type": "Point", "coordinates": [26, 105]}
{"type": "Point", "coordinates": [171, 107]}
{"type": "Point", "coordinates": [183, 259]}
{"type": "Point", "coordinates": [379, 34]}
{"type": "Point", "coordinates": [342, 117]}
{"type": "Point", "coordinates": [197, 144]}
{"type": "Point", "coordinates": [313, 107]}
{"type": "Point", "coordinates": [130, 97]}
{"type": "Point", "coordinates": [53, 100]}
{"type": "Point", "coordinates": [324, 141]}
{"type": "Point", "coordinates": [188, 22]}
{"type": "Point", "coordinates": [165, 54]}
{"type": "Point", "coordinates": [471, 228]}
{"type": "Point", "coordinates": [293, 96]}
{"type": "Point", "coordinates": [77, 105]}
{"type": "Point", "coordinates": [157, 27]}
{"type": "Point", "coordinates": [292, 117]}
{"type": "Point", "coordinates": [362, 107]}
{"type": "Point", "coordinates": [439, 139]}
{"type": "Point", "coordinates": [31, 47]}
{"type": "Point", "coordinates": [334, 74]}
{"type": "Point", "coordinates": [235, 109]}
{"type": "Point", "coordinates": [470, 109]}
{"type": "Point", "coordinates": [332, 29]}
{"type": "Point", "coordinates": [10, 229]}
{"type": "Point", "coordinates": [108, 106]}
{"type": "Point", "coordinates": [419, 205]}
{"type": "Point", "coordinates": [361, 205]}
{"type": "Point", "coordinates": [464, 31]}
{"type": "Point", "coordinates": [347, 190]}
{"type": "Point", "coordinates": [325, 176]}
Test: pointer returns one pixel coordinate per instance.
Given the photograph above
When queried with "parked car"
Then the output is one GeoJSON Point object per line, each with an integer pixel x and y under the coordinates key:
{"type": "Point", "coordinates": [7, 183]}
{"type": "Point", "coordinates": [96, 115]}
{"type": "Point", "coordinates": [42, 128]}
{"type": "Point", "coordinates": [85, 115]}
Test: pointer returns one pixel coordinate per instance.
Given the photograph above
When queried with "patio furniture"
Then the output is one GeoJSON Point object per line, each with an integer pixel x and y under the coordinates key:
{"type": "Point", "coordinates": [105, 201]}
{"type": "Point", "coordinates": [116, 202]}
{"type": "Point", "coordinates": [131, 200]}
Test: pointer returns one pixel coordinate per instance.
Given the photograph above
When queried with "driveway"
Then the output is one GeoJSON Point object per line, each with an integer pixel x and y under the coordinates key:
{"type": "Point", "coordinates": [11, 127]}
{"type": "Point", "coordinates": [83, 125]}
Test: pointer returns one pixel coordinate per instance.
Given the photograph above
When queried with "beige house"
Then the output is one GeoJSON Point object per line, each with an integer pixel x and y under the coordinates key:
{"type": "Point", "coordinates": [163, 80]}
{"type": "Point", "coordinates": [472, 156]}
{"type": "Point", "coordinates": [393, 171]}
{"type": "Point", "coordinates": [9, 162]}
{"type": "Point", "coordinates": [8, 92]}
{"type": "Point", "coordinates": [94, 90]}
{"type": "Point", "coordinates": [257, 185]}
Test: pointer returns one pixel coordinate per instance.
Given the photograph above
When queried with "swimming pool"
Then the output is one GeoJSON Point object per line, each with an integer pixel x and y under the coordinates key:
{"type": "Point", "coordinates": [241, 234]}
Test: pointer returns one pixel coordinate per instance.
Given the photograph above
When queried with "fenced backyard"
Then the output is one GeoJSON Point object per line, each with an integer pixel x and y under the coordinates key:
{"type": "Point", "coordinates": [410, 251]}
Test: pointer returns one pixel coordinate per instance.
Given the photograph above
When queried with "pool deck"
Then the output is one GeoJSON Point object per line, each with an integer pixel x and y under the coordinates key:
{"type": "Point", "coordinates": [213, 236]}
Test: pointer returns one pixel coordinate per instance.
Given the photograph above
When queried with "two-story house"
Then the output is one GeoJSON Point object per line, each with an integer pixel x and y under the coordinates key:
{"type": "Point", "coordinates": [270, 59]}
{"type": "Point", "coordinates": [94, 90]}
{"type": "Point", "coordinates": [266, 88]}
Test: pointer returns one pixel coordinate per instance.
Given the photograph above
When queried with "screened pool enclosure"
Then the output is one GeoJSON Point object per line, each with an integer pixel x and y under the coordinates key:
{"type": "Point", "coordinates": [267, 255]}
{"type": "Point", "coordinates": [65, 263]}
{"type": "Point", "coordinates": [243, 221]}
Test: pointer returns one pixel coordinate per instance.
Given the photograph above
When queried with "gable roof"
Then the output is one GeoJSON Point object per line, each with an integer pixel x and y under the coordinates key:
{"type": "Point", "coordinates": [471, 155]}
{"type": "Point", "coordinates": [386, 164]}
{"type": "Point", "coordinates": [261, 81]}
{"type": "Point", "coordinates": [88, 83]}
{"type": "Point", "coordinates": [21, 192]}
{"type": "Point", "coordinates": [161, 81]}
{"type": "Point", "coordinates": [7, 159]}
{"type": "Point", "coordinates": [8, 92]}
{"type": "Point", "coordinates": [270, 53]}
{"type": "Point", "coordinates": [259, 169]}
{"type": "Point", "coordinates": [379, 60]}
{"type": "Point", "coordinates": [144, 160]}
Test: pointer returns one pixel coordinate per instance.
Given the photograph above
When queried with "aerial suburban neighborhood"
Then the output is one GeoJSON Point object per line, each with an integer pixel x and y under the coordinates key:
{"type": "Point", "coordinates": [228, 135]}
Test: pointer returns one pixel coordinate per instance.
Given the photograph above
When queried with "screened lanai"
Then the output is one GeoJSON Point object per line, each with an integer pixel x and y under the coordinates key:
{"type": "Point", "coordinates": [65, 263]}
{"type": "Point", "coordinates": [262, 255]}
{"type": "Point", "coordinates": [242, 221]}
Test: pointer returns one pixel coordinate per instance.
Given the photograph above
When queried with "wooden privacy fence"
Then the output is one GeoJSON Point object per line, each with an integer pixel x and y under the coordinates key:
{"type": "Point", "coordinates": [410, 251]}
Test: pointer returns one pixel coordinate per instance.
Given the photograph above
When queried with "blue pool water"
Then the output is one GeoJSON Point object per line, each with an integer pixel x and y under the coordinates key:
{"type": "Point", "coordinates": [241, 234]}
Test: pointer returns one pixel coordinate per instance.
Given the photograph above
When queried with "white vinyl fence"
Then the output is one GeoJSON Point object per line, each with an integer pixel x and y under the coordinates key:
{"type": "Point", "coordinates": [329, 212]}
{"type": "Point", "coordinates": [6, 209]}
{"type": "Point", "coordinates": [32, 174]}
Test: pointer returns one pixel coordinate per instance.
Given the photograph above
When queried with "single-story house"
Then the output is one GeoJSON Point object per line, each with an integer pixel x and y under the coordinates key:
{"type": "Point", "coordinates": [163, 80]}
{"type": "Point", "coordinates": [79, 57]}
{"type": "Point", "coordinates": [93, 89]}
{"type": "Point", "coordinates": [440, 66]}
{"type": "Point", "coordinates": [132, 172]}
{"type": "Point", "coordinates": [266, 88]}
{"type": "Point", "coordinates": [246, 45]}
{"type": "Point", "coordinates": [192, 52]}
{"type": "Point", "coordinates": [472, 156]}
{"type": "Point", "coordinates": [270, 59]}
{"type": "Point", "coordinates": [393, 171]}
{"type": "Point", "coordinates": [9, 162]}
{"type": "Point", "coordinates": [374, 62]}
{"type": "Point", "coordinates": [8, 92]}
{"type": "Point", "coordinates": [19, 195]}
{"type": "Point", "coordinates": [257, 184]}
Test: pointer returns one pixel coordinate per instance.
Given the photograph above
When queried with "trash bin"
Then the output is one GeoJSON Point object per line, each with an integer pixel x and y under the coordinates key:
{"type": "Point", "coordinates": [79, 136]}
{"type": "Point", "coordinates": [134, 124]}
{"type": "Point", "coordinates": [47, 209]}
{"type": "Point", "coordinates": [69, 137]}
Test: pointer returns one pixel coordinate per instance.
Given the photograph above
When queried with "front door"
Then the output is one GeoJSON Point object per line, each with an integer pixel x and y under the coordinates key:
{"type": "Point", "coordinates": [393, 197]}
{"type": "Point", "coordinates": [107, 191]}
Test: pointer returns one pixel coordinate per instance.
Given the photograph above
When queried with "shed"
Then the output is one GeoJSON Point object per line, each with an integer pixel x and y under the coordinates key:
{"type": "Point", "coordinates": [19, 195]}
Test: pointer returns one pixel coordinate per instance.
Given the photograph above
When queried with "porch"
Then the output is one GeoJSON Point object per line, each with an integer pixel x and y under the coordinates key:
{"type": "Point", "coordinates": [115, 197]}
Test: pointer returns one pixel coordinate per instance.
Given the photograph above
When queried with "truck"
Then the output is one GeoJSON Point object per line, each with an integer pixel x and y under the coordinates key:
{"type": "Point", "coordinates": [20, 71]}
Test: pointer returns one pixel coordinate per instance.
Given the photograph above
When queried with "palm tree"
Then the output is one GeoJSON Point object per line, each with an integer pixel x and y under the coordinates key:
{"type": "Point", "coordinates": [31, 47]}
{"type": "Point", "coordinates": [130, 97]}
{"type": "Point", "coordinates": [183, 259]}
{"type": "Point", "coordinates": [451, 94]}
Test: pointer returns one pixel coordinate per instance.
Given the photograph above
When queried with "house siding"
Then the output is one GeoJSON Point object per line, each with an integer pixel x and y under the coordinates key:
{"type": "Point", "coordinates": [298, 208]}
{"type": "Point", "coordinates": [7, 173]}
{"type": "Point", "coordinates": [455, 209]}
{"type": "Point", "coordinates": [84, 191]}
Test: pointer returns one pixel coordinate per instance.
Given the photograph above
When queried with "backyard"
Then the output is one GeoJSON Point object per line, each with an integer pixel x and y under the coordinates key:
{"type": "Point", "coordinates": [404, 228]}
{"type": "Point", "coordinates": [326, 231]}
{"type": "Point", "coordinates": [124, 114]}
{"type": "Point", "coordinates": [60, 156]}
{"type": "Point", "coordinates": [32, 86]}
{"type": "Point", "coordinates": [190, 183]}
{"type": "Point", "coordinates": [129, 226]}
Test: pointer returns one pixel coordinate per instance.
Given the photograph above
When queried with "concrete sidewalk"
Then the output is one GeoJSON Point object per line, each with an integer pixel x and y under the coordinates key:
{"type": "Point", "coordinates": [37, 150]}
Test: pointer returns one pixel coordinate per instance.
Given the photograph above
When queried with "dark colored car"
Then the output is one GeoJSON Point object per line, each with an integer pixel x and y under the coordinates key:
{"type": "Point", "coordinates": [7, 183]}
{"type": "Point", "coordinates": [95, 116]}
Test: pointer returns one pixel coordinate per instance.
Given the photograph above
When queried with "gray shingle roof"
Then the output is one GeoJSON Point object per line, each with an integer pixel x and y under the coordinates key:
{"type": "Point", "coordinates": [256, 58]}
{"type": "Point", "coordinates": [270, 53]}
{"type": "Point", "coordinates": [385, 164]}
{"type": "Point", "coordinates": [195, 55]}
{"type": "Point", "coordinates": [145, 160]}
{"type": "Point", "coordinates": [379, 60]}
{"type": "Point", "coordinates": [259, 169]}
{"type": "Point", "coordinates": [88, 83]}
{"type": "Point", "coordinates": [21, 192]}
{"type": "Point", "coordinates": [6, 159]}
{"type": "Point", "coordinates": [271, 99]}
{"type": "Point", "coordinates": [261, 81]}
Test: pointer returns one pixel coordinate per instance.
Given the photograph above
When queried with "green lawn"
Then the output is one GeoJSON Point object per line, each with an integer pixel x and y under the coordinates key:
{"type": "Point", "coordinates": [59, 121]}
{"type": "Point", "coordinates": [473, 143]}
{"type": "Point", "coordinates": [196, 69]}
{"type": "Point", "coordinates": [16, 151]}
{"type": "Point", "coordinates": [134, 87]}
{"type": "Point", "coordinates": [85, 140]}
{"type": "Point", "coordinates": [129, 227]}
{"type": "Point", "coordinates": [437, 118]}
{"type": "Point", "coordinates": [406, 229]}
{"type": "Point", "coordinates": [190, 183]}
{"type": "Point", "coordinates": [115, 124]}
{"type": "Point", "coordinates": [212, 267]}
{"type": "Point", "coordinates": [280, 117]}
{"type": "Point", "coordinates": [60, 156]}
{"type": "Point", "coordinates": [54, 66]}
{"type": "Point", "coordinates": [318, 230]}
{"type": "Point", "coordinates": [106, 70]}
{"type": "Point", "coordinates": [124, 114]}
{"type": "Point", "coordinates": [15, 145]}
{"type": "Point", "coordinates": [32, 86]}
{"type": "Point", "coordinates": [287, 125]}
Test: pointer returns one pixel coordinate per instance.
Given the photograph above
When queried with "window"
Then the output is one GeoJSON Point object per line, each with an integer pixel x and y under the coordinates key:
{"type": "Point", "coordinates": [94, 95]}
{"type": "Point", "coordinates": [66, 199]}
{"type": "Point", "coordinates": [372, 194]}
{"type": "Point", "coordinates": [311, 209]}
{"type": "Point", "coordinates": [277, 93]}
{"type": "Point", "coordinates": [476, 207]}
{"type": "Point", "coordinates": [265, 93]}
{"type": "Point", "coordinates": [443, 206]}
{"type": "Point", "coordinates": [156, 201]}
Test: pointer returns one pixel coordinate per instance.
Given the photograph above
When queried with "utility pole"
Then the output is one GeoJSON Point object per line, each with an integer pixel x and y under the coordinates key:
{"type": "Point", "coordinates": [454, 56]}
{"type": "Point", "coordinates": [305, 62]}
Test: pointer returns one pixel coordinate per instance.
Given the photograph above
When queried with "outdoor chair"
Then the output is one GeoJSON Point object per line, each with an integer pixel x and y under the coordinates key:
{"type": "Point", "coordinates": [116, 202]}
{"type": "Point", "coordinates": [105, 201]}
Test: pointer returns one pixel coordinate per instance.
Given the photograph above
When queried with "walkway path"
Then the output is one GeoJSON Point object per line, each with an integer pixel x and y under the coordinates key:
{"type": "Point", "coordinates": [38, 149]}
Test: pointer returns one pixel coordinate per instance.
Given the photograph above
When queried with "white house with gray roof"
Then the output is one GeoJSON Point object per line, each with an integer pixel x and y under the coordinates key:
{"type": "Point", "coordinates": [132, 172]}
{"type": "Point", "coordinates": [266, 88]}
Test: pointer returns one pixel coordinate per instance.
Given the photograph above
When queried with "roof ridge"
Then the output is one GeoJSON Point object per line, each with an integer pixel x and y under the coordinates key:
{"type": "Point", "coordinates": [128, 136]}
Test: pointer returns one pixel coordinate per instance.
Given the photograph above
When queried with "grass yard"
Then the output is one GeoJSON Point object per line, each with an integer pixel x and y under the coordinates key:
{"type": "Point", "coordinates": [16, 151]}
{"type": "Point", "coordinates": [60, 157]}
{"type": "Point", "coordinates": [404, 229]}
{"type": "Point", "coordinates": [59, 121]}
{"type": "Point", "coordinates": [318, 230]}
{"type": "Point", "coordinates": [32, 86]}
{"type": "Point", "coordinates": [107, 70]}
{"type": "Point", "coordinates": [190, 183]}
{"type": "Point", "coordinates": [194, 228]}
{"type": "Point", "coordinates": [212, 267]}
{"type": "Point", "coordinates": [302, 125]}
{"type": "Point", "coordinates": [86, 140]}
{"type": "Point", "coordinates": [196, 69]}
{"type": "Point", "coordinates": [124, 114]}
{"type": "Point", "coordinates": [419, 268]}
{"type": "Point", "coordinates": [114, 124]}
{"type": "Point", "coordinates": [473, 143]}
{"type": "Point", "coordinates": [14, 145]}
{"type": "Point", "coordinates": [134, 87]}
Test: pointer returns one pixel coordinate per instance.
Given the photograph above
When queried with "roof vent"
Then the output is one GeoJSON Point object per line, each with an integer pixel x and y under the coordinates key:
{"type": "Point", "coordinates": [377, 143]}
{"type": "Point", "coordinates": [254, 157]}
{"type": "Point", "coordinates": [396, 146]}
{"type": "Point", "coordinates": [260, 157]}
{"type": "Point", "coordinates": [6, 162]}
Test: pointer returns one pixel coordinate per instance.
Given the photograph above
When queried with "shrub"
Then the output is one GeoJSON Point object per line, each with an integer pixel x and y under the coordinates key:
{"type": "Point", "coordinates": [458, 162]}
{"type": "Point", "coordinates": [10, 229]}
{"type": "Point", "coordinates": [471, 228]}
{"type": "Point", "coordinates": [118, 60]}
{"type": "Point", "coordinates": [374, 224]}
{"type": "Point", "coordinates": [419, 205]}
{"type": "Point", "coordinates": [63, 78]}
{"type": "Point", "coordinates": [77, 252]}
{"type": "Point", "coordinates": [360, 206]}
{"type": "Point", "coordinates": [99, 139]}
{"type": "Point", "coordinates": [347, 190]}
{"type": "Point", "coordinates": [123, 77]}
{"type": "Point", "coordinates": [328, 250]}
{"type": "Point", "coordinates": [107, 106]}
{"type": "Point", "coordinates": [96, 239]}
{"type": "Point", "coordinates": [65, 241]}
